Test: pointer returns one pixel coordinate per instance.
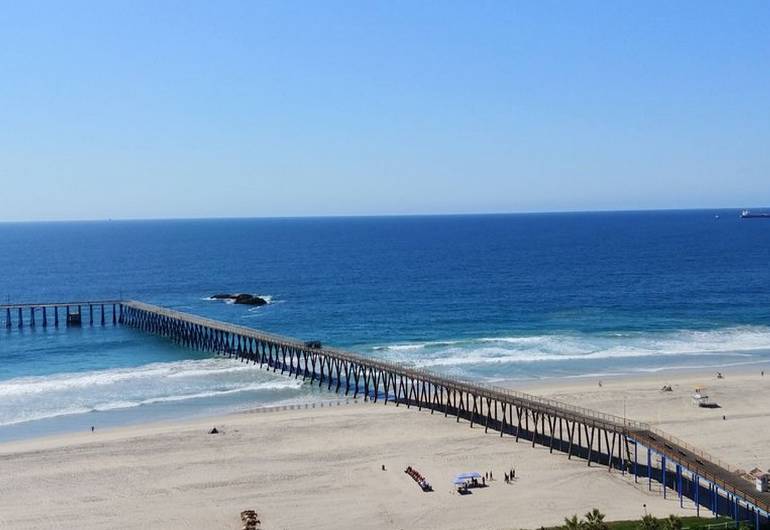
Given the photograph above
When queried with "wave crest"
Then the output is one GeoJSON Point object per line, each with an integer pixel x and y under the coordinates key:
{"type": "Point", "coordinates": [36, 398]}
{"type": "Point", "coordinates": [739, 341]}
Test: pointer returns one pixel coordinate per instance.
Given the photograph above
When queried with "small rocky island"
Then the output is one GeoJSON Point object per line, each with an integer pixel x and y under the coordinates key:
{"type": "Point", "coordinates": [243, 299]}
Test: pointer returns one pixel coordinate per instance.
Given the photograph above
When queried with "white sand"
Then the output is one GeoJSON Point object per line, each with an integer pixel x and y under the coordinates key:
{"type": "Point", "coordinates": [320, 468]}
{"type": "Point", "coordinates": [742, 439]}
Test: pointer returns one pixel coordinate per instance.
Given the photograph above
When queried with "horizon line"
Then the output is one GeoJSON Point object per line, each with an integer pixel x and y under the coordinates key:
{"type": "Point", "coordinates": [370, 216]}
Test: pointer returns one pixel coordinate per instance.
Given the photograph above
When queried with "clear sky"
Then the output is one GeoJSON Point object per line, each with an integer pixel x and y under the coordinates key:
{"type": "Point", "coordinates": [126, 109]}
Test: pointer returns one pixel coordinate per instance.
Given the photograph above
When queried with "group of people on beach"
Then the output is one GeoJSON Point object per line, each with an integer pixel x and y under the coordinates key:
{"type": "Point", "coordinates": [488, 476]}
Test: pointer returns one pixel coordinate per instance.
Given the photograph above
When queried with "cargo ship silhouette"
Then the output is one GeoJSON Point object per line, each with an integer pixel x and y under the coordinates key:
{"type": "Point", "coordinates": [747, 214]}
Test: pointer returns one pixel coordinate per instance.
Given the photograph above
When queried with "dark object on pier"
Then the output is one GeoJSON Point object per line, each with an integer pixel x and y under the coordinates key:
{"type": "Point", "coordinates": [242, 299]}
{"type": "Point", "coordinates": [73, 319]}
{"type": "Point", "coordinates": [314, 344]}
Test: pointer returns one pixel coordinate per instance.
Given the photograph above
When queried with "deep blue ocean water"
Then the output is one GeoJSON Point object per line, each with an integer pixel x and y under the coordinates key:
{"type": "Point", "coordinates": [498, 297]}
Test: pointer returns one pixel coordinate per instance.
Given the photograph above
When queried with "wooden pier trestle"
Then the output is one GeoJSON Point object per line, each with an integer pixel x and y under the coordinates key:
{"type": "Point", "coordinates": [619, 444]}
{"type": "Point", "coordinates": [63, 313]}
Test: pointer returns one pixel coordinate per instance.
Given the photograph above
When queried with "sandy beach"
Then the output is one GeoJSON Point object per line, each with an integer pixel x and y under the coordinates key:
{"type": "Point", "coordinates": [741, 439]}
{"type": "Point", "coordinates": [321, 467]}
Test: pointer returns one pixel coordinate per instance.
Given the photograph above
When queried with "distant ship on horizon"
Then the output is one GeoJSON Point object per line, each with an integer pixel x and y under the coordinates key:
{"type": "Point", "coordinates": [747, 214]}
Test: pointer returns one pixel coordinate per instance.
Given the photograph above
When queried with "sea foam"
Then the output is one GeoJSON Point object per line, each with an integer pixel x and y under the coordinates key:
{"type": "Point", "coordinates": [735, 342]}
{"type": "Point", "coordinates": [34, 398]}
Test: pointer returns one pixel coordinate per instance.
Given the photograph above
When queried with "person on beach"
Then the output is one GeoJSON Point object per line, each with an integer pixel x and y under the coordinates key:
{"type": "Point", "coordinates": [92, 428]}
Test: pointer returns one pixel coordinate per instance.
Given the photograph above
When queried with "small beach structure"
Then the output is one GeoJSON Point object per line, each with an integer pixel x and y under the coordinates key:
{"type": "Point", "coordinates": [73, 319]}
{"type": "Point", "coordinates": [463, 481]}
{"type": "Point", "coordinates": [761, 480]}
{"type": "Point", "coordinates": [461, 485]}
{"type": "Point", "coordinates": [700, 399]}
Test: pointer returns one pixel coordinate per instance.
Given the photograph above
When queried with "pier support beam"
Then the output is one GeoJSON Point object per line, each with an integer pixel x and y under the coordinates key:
{"type": "Point", "coordinates": [649, 469]}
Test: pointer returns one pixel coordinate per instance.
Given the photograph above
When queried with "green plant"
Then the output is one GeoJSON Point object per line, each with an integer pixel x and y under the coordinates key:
{"type": "Point", "coordinates": [573, 523]}
{"type": "Point", "coordinates": [672, 522]}
{"type": "Point", "coordinates": [649, 522]}
{"type": "Point", "coordinates": [595, 520]}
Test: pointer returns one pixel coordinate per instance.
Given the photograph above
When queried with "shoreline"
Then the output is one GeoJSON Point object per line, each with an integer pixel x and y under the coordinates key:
{"type": "Point", "coordinates": [58, 439]}
{"type": "Point", "coordinates": [321, 467]}
{"type": "Point", "coordinates": [546, 387]}
{"type": "Point", "coordinates": [740, 369]}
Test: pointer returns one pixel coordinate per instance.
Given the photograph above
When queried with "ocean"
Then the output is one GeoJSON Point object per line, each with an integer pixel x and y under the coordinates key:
{"type": "Point", "coordinates": [489, 297]}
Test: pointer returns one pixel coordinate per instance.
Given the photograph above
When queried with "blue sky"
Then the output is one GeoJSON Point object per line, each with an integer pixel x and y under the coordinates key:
{"type": "Point", "coordinates": [212, 109]}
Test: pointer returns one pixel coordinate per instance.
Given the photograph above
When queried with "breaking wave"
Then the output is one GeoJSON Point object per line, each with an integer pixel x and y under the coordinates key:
{"type": "Point", "coordinates": [68, 381]}
{"type": "Point", "coordinates": [35, 398]}
{"type": "Point", "coordinates": [734, 342]}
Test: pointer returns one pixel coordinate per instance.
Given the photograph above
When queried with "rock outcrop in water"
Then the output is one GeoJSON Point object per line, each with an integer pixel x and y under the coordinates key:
{"type": "Point", "coordinates": [241, 298]}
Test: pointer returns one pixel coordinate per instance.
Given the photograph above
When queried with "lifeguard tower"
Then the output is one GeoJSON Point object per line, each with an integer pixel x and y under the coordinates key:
{"type": "Point", "coordinates": [699, 398]}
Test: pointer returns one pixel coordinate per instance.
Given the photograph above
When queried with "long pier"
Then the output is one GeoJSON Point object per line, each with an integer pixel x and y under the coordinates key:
{"type": "Point", "coordinates": [630, 447]}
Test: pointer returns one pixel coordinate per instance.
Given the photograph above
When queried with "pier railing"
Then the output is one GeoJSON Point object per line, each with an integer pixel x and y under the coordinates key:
{"type": "Point", "coordinates": [61, 304]}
